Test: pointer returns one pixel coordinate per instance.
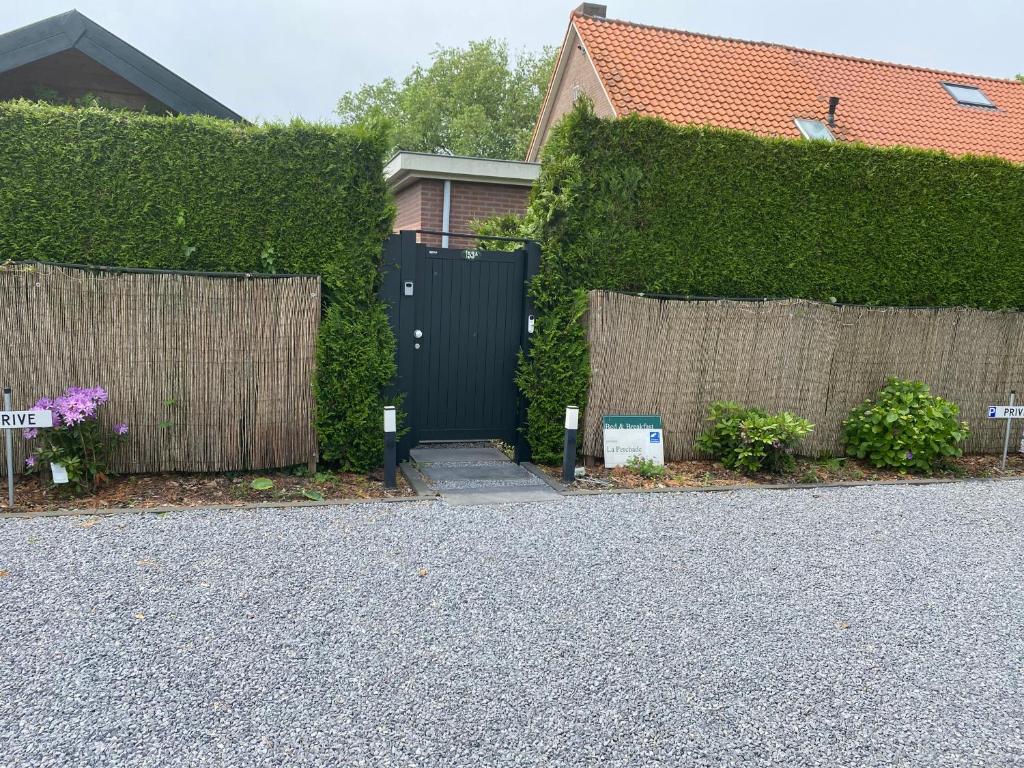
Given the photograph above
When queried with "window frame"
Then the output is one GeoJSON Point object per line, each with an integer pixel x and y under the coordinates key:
{"type": "Point", "coordinates": [948, 85]}
{"type": "Point", "coordinates": [800, 121]}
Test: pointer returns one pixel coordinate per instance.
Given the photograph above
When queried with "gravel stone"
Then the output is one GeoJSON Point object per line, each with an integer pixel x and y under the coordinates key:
{"type": "Point", "coordinates": [836, 627]}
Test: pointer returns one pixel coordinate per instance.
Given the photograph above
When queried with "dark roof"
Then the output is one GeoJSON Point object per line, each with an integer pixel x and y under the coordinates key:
{"type": "Point", "coordinates": [73, 30]}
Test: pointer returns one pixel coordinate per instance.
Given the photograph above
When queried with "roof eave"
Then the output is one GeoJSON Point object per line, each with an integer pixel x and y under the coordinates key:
{"type": "Point", "coordinates": [75, 31]}
{"type": "Point", "coordinates": [407, 167]}
{"type": "Point", "coordinates": [554, 81]}
{"type": "Point", "coordinates": [557, 75]}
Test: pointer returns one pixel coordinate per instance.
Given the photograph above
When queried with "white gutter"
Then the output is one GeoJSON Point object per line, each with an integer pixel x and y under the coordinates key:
{"type": "Point", "coordinates": [446, 212]}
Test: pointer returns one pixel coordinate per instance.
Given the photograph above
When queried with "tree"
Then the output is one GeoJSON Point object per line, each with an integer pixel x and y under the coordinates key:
{"type": "Point", "coordinates": [475, 100]}
{"type": "Point", "coordinates": [1021, 78]}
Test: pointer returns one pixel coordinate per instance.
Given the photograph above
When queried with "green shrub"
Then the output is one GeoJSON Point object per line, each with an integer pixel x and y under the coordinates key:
{"type": "Point", "coordinates": [750, 440]}
{"type": "Point", "coordinates": [92, 186]}
{"type": "Point", "coordinates": [500, 225]}
{"type": "Point", "coordinates": [636, 204]}
{"type": "Point", "coordinates": [348, 385]}
{"type": "Point", "coordinates": [646, 468]}
{"type": "Point", "coordinates": [905, 427]}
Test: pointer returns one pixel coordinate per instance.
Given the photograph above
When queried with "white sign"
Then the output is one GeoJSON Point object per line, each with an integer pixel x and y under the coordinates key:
{"type": "Point", "coordinates": [59, 472]}
{"type": "Point", "coordinates": [25, 419]}
{"type": "Point", "coordinates": [1006, 411]}
{"type": "Point", "coordinates": [629, 436]}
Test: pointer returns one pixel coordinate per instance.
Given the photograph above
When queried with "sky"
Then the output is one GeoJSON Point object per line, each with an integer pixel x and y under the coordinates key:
{"type": "Point", "coordinates": [277, 59]}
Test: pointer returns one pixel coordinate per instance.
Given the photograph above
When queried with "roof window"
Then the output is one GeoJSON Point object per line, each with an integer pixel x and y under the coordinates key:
{"type": "Point", "coordinates": [968, 95]}
{"type": "Point", "coordinates": [813, 130]}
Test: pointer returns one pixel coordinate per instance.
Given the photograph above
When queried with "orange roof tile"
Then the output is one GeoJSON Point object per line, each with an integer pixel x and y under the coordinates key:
{"type": "Point", "coordinates": [685, 77]}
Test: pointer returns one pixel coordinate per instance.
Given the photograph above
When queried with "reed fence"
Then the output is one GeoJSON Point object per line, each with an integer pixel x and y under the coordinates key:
{"type": "Point", "coordinates": [210, 372]}
{"type": "Point", "coordinates": [674, 357]}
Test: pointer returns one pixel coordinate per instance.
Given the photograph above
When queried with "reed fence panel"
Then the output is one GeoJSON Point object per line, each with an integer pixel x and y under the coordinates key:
{"type": "Point", "coordinates": [211, 373]}
{"type": "Point", "coordinates": [674, 357]}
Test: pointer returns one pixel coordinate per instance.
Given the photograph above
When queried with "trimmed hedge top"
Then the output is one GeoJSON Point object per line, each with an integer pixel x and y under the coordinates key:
{"type": "Point", "coordinates": [92, 186]}
{"type": "Point", "coordinates": [637, 204]}
{"type": "Point", "coordinates": [119, 188]}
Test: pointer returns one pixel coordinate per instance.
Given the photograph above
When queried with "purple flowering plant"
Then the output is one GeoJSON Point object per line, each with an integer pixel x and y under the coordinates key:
{"type": "Point", "coordinates": [77, 440]}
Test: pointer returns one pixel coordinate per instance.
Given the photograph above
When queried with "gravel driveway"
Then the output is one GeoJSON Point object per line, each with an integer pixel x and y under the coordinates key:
{"type": "Point", "coordinates": [850, 627]}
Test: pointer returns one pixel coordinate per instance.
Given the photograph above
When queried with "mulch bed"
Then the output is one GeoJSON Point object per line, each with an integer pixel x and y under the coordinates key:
{"type": "Point", "coordinates": [199, 490]}
{"type": "Point", "coordinates": [694, 474]}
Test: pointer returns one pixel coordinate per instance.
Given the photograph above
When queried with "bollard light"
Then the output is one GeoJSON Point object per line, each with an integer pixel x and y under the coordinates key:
{"type": "Point", "coordinates": [390, 449]}
{"type": "Point", "coordinates": [572, 422]}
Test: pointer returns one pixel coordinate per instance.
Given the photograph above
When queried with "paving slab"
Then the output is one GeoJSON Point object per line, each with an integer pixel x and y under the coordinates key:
{"type": "Point", "coordinates": [441, 455]}
{"type": "Point", "coordinates": [469, 472]}
{"type": "Point", "coordinates": [482, 474]}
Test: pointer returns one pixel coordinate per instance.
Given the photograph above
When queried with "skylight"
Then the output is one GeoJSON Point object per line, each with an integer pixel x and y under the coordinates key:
{"type": "Point", "coordinates": [968, 95]}
{"type": "Point", "coordinates": [814, 130]}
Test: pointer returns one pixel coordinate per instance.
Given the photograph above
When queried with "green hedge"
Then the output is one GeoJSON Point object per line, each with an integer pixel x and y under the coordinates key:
{"type": "Point", "coordinates": [640, 205]}
{"type": "Point", "coordinates": [91, 186]}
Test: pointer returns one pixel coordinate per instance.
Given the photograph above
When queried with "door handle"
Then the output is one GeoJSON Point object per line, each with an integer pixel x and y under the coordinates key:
{"type": "Point", "coordinates": [417, 334]}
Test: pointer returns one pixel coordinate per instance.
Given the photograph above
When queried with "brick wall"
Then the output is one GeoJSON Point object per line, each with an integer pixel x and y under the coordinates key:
{"type": "Point", "coordinates": [72, 75]}
{"type": "Point", "coordinates": [408, 205]}
{"type": "Point", "coordinates": [472, 201]}
{"type": "Point", "coordinates": [432, 209]}
{"type": "Point", "coordinates": [579, 77]}
{"type": "Point", "coordinates": [421, 206]}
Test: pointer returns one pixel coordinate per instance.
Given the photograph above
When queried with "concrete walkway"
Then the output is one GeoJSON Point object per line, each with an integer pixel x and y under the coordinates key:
{"type": "Point", "coordinates": [480, 474]}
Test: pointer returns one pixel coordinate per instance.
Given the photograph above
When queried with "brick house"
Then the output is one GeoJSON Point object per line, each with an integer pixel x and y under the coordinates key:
{"type": "Point", "coordinates": [69, 56]}
{"type": "Point", "coordinates": [445, 193]}
{"type": "Point", "coordinates": [776, 90]}
{"type": "Point", "coordinates": [685, 77]}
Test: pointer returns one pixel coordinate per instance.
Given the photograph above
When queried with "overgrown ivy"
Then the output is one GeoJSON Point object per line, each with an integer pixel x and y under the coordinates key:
{"type": "Point", "coordinates": [91, 186]}
{"type": "Point", "coordinates": [639, 205]}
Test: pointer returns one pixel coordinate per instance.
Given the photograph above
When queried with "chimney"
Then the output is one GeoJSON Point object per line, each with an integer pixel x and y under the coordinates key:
{"type": "Point", "coordinates": [591, 9]}
{"type": "Point", "coordinates": [833, 102]}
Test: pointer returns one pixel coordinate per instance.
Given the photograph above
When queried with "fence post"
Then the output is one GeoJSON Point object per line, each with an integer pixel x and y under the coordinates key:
{"type": "Point", "coordinates": [9, 442]}
{"type": "Point", "coordinates": [390, 448]}
{"type": "Point", "coordinates": [572, 421]}
{"type": "Point", "coordinates": [1006, 439]}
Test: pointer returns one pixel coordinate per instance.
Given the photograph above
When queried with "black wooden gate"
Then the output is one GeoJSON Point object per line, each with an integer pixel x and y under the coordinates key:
{"type": "Point", "coordinates": [460, 317]}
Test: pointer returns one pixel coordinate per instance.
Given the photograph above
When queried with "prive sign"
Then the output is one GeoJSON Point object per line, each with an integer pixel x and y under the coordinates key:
{"type": "Point", "coordinates": [26, 419]}
{"type": "Point", "coordinates": [1006, 411]}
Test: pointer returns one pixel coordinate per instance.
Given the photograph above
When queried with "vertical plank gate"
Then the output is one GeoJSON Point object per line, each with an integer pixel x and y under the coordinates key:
{"type": "Point", "coordinates": [460, 317]}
